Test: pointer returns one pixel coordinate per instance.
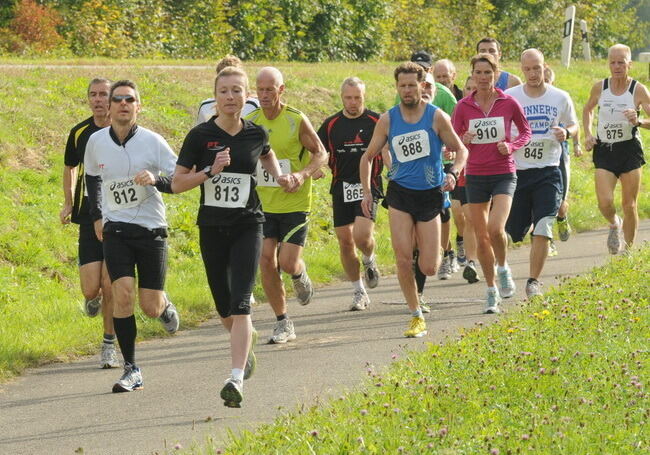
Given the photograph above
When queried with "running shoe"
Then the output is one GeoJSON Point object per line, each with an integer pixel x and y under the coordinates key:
{"type": "Point", "coordinates": [492, 302]}
{"type": "Point", "coordinates": [360, 301]}
{"type": "Point", "coordinates": [424, 305]}
{"type": "Point", "coordinates": [232, 393]}
{"type": "Point", "coordinates": [371, 274]}
{"type": "Point", "coordinates": [93, 306]}
{"type": "Point", "coordinates": [444, 272]}
{"type": "Point", "coordinates": [470, 273]}
{"type": "Point", "coordinates": [614, 237]}
{"type": "Point", "coordinates": [563, 229]}
{"type": "Point", "coordinates": [108, 357]}
{"type": "Point", "coordinates": [283, 332]}
{"type": "Point", "coordinates": [460, 248]}
{"type": "Point", "coordinates": [131, 380]}
{"type": "Point", "coordinates": [252, 299]}
{"type": "Point", "coordinates": [169, 318]}
{"type": "Point", "coordinates": [417, 328]}
{"type": "Point", "coordinates": [251, 360]}
{"type": "Point", "coordinates": [552, 248]}
{"type": "Point", "coordinates": [506, 284]}
{"type": "Point", "coordinates": [533, 288]}
{"type": "Point", "coordinates": [453, 262]}
{"type": "Point", "coordinates": [303, 288]}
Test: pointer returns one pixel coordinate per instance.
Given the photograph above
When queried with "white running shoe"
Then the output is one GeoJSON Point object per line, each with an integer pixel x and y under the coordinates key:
{"type": "Point", "coordinates": [108, 357]}
{"type": "Point", "coordinates": [614, 236]}
{"type": "Point", "coordinates": [283, 332]}
{"type": "Point", "coordinates": [131, 380]}
{"type": "Point", "coordinates": [92, 307]}
{"type": "Point", "coordinates": [444, 272]}
{"type": "Point", "coordinates": [303, 288]}
{"type": "Point", "coordinates": [492, 302]}
{"type": "Point", "coordinates": [232, 393]}
{"type": "Point", "coordinates": [360, 301]}
{"type": "Point", "coordinates": [169, 318]}
{"type": "Point", "coordinates": [506, 284]}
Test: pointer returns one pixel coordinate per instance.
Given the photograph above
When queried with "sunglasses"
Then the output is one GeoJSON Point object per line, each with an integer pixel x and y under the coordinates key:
{"type": "Point", "coordinates": [120, 98]}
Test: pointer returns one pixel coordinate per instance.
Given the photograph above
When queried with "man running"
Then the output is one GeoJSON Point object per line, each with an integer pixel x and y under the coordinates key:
{"type": "Point", "coordinates": [539, 182]}
{"type": "Point", "coordinates": [95, 283]}
{"type": "Point", "coordinates": [290, 135]}
{"type": "Point", "coordinates": [504, 80]}
{"type": "Point", "coordinates": [207, 109]}
{"type": "Point", "coordinates": [346, 136]}
{"type": "Point", "coordinates": [618, 153]}
{"type": "Point", "coordinates": [415, 131]}
{"type": "Point", "coordinates": [123, 166]}
{"type": "Point", "coordinates": [444, 72]}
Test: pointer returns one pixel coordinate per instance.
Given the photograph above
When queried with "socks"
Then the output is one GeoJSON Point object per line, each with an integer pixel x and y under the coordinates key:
{"type": "Point", "coordinates": [459, 238]}
{"type": "Point", "coordinates": [368, 259]}
{"type": "Point", "coordinates": [560, 218]}
{"type": "Point", "coordinates": [417, 313]}
{"type": "Point", "coordinates": [492, 289]}
{"type": "Point", "coordinates": [296, 277]}
{"type": "Point", "coordinates": [238, 373]}
{"type": "Point", "coordinates": [282, 317]}
{"type": "Point", "coordinates": [126, 331]}
{"type": "Point", "coordinates": [420, 278]}
{"type": "Point", "coordinates": [109, 338]}
{"type": "Point", "coordinates": [531, 280]}
{"type": "Point", "coordinates": [358, 285]}
{"type": "Point", "coordinates": [502, 268]}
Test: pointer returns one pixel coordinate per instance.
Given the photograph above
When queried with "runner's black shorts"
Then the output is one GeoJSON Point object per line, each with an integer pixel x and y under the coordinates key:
{"type": "Point", "coordinates": [231, 255]}
{"type": "Point", "coordinates": [619, 157]}
{"type": "Point", "coordinates": [346, 212]}
{"type": "Point", "coordinates": [90, 248]}
{"type": "Point", "coordinates": [128, 247]}
{"type": "Point", "coordinates": [422, 205]}
{"type": "Point", "coordinates": [481, 188]}
{"type": "Point", "coordinates": [287, 227]}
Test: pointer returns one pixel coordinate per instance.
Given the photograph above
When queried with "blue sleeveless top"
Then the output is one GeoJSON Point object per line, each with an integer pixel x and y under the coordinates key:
{"type": "Point", "coordinates": [502, 83]}
{"type": "Point", "coordinates": [416, 151]}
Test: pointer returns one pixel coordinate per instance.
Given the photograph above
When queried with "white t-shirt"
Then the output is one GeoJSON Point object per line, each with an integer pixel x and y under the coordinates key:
{"type": "Point", "coordinates": [123, 200]}
{"type": "Point", "coordinates": [553, 108]}
{"type": "Point", "coordinates": [208, 108]}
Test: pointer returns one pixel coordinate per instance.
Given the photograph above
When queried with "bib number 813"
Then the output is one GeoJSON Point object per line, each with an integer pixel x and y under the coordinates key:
{"type": "Point", "coordinates": [227, 194]}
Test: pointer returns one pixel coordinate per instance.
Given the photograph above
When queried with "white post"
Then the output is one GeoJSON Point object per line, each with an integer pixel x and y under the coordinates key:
{"type": "Point", "coordinates": [567, 38]}
{"type": "Point", "coordinates": [645, 58]}
{"type": "Point", "coordinates": [586, 49]}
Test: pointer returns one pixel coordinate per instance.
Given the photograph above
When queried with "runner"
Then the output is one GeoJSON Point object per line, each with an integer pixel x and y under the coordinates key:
{"type": "Point", "coordinates": [95, 283]}
{"type": "Point", "coordinates": [504, 79]}
{"type": "Point", "coordinates": [290, 135]}
{"type": "Point", "coordinates": [484, 121]}
{"type": "Point", "coordinates": [123, 164]}
{"type": "Point", "coordinates": [551, 116]}
{"type": "Point", "coordinates": [226, 151]}
{"type": "Point", "coordinates": [207, 109]}
{"type": "Point", "coordinates": [618, 153]}
{"type": "Point", "coordinates": [563, 226]}
{"type": "Point", "coordinates": [415, 131]}
{"type": "Point", "coordinates": [444, 72]}
{"type": "Point", "coordinates": [346, 136]}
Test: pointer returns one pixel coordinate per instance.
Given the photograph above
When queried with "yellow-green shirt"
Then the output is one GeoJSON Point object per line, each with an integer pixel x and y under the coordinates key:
{"type": "Point", "coordinates": [284, 137]}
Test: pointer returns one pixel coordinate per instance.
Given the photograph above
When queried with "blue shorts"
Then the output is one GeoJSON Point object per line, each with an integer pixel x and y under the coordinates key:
{"type": "Point", "coordinates": [481, 188]}
{"type": "Point", "coordinates": [535, 202]}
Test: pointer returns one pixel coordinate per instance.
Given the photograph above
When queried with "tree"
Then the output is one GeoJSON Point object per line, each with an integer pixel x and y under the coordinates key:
{"type": "Point", "coordinates": [36, 25]}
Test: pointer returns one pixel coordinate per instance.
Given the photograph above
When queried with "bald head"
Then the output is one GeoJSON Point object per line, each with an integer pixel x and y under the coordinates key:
{"type": "Point", "coordinates": [532, 65]}
{"type": "Point", "coordinates": [620, 49]}
{"type": "Point", "coordinates": [532, 54]}
{"type": "Point", "coordinates": [271, 73]}
{"type": "Point", "coordinates": [269, 87]}
{"type": "Point", "coordinates": [444, 72]}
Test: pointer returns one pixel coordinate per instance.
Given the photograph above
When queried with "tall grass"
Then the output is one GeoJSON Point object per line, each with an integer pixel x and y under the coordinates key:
{"type": "Point", "coordinates": [39, 296]}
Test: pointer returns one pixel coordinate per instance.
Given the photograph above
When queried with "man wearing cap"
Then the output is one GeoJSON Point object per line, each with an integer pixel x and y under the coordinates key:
{"type": "Point", "coordinates": [443, 98]}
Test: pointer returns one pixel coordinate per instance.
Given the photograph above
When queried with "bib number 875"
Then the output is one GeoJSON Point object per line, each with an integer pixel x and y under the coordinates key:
{"type": "Point", "coordinates": [614, 134]}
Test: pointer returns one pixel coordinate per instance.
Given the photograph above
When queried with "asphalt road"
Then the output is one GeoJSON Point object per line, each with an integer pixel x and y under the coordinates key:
{"type": "Point", "coordinates": [63, 408]}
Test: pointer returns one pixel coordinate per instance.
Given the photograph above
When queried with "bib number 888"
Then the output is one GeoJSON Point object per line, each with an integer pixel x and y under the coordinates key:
{"type": "Point", "coordinates": [413, 148]}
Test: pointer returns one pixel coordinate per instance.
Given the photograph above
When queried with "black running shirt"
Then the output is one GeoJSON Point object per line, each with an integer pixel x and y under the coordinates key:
{"type": "Point", "coordinates": [229, 197]}
{"type": "Point", "coordinates": [346, 139]}
{"type": "Point", "coordinates": [75, 150]}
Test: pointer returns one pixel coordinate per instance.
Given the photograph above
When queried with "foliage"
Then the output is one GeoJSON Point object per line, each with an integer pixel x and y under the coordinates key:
{"type": "Point", "coordinates": [11, 43]}
{"type": "Point", "coordinates": [36, 25]}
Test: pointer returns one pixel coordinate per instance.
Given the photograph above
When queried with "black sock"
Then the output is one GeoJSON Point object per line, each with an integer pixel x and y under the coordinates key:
{"type": "Point", "coordinates": [530, 280]}
{"type": "Point", "coordinates": [109, 338]}
{"type": "Point", "coordinates": [295, 277]}
{"type": "Point", "coordinates": [560, 218]}
{"type": "Point", "coordinates": [420, 278]}
{"type": "Point", "coordinates": [126, 331]}
{"type": "Point", "coordinates": [282, 317]}
{"type": "Point", "coordinates": [459, 238]}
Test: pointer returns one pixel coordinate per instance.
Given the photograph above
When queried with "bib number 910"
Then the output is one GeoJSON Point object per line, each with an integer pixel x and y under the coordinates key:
{"type": "Point", "coordinates": [487, 130]}
{"type": "Point", "coordinates": [266, 179]}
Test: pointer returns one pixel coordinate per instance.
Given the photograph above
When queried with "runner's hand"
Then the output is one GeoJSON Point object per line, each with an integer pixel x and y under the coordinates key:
{"type": "Point", "coordinates": [285, 182]}
{"type": "Point", "coordinates": [221, 160]}
{"type": "Point", "coordinates": [631, 116]}
{"type": "Point", "coordinates": [468, 137]}
{"type": "Point", "coordinates": [560, 133]}
{"type": "Point", "coordinates": [65, 214]}
{"type": "Point", "coordinates": [99, 230]}
{"type": "Point", "coordinates": [577, 150]}
{"type": "Point", "coordinates": [503, 148]}
{"type": "Point", "coordinates": [144, 178]}
{"type": "Point", "coordinates": [449, 155]}
{"type": "Point", "coordinates": [366, 205]}
{"type": "Point", "coordinates": [450, 182]}
{"type": "Point", "coordinates": [319, 174]}
{"type": "Point", "coordinates": [590, 141]}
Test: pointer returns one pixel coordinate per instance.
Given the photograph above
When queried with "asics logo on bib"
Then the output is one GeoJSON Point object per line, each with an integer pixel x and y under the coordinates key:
{"type": "Point", "coordinates": [405, 139]}
{"type": "Point", "coordinates": [226, 180]}
{"type": "Point", "coordinates": [483, 123]}
{"type": "Point", "coordinates": [121, 185]}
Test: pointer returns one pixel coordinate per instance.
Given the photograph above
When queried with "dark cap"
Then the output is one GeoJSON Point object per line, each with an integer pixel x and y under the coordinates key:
{"type": "Point", "coordinates": [422, 58]}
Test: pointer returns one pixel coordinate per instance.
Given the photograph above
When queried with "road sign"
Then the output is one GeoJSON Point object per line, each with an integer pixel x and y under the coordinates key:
{"type": "Point", "coordinates": [567, 38]}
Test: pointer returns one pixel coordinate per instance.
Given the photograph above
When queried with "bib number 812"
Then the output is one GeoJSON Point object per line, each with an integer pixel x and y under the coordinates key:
{"type": "Point", "coordinates": [124, 196]}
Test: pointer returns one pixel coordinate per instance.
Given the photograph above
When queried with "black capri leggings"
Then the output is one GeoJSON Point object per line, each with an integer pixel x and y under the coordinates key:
{"type": "Point", "coordinates": [231, 255]}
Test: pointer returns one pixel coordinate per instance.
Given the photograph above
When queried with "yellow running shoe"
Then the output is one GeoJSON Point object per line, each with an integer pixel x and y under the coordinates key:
{"type": "Point", "coordinates": [417, 328]}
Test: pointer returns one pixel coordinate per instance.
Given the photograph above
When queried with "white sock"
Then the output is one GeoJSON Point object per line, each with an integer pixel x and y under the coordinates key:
{"type": "Point", "coordinates": [238, 373]}
{"type": "Point", "coordinates": [617, 221]}
{"type": "Point", "coordinates": [502, 268]}
{"type": "Point", "coordinates": [358, 285]}
{"type": "Point", "coordinates": [492, 289]}
{"type": "Point", "coordinates": [368, 259]}
{"type": "Point", "coordinates": [417, 313]}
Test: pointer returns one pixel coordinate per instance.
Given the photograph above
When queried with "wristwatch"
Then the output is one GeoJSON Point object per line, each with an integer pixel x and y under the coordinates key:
{"type": "Point", "coordinates": [453, 173]}
{"type": "Point", "coordinates": [207, 172]}
{"type": "Point", "coordinates": [568, 133]}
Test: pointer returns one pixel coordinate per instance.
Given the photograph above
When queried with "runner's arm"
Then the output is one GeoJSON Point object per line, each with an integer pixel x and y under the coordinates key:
{"type": "Point", "coordinates": [309, 139]}
{"type": "Point", "coordinates": [588, 115]}
{"type": "Point", "coordinates": [69, 176]}
{"type": "Point", "coordinates": [643, 101]}
{"type": "Point", "coordinates": [379, 139]}
{"type": "Point", "coordinates": [442, 127]}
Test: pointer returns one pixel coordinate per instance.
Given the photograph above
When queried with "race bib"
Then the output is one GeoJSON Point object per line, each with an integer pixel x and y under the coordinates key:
{"type": "Point", "coordinates": [535, 151]}
{"type": "Point", "coordinates": [411, 146]}
{"type": "Point", "coordinates": [123, 194]}
{"type": "Point", "coordinates": [266, 179]}
{"type": "Point", "coordinates": [352, 192]}
{"type": "Point", "coordinates": [488, 130]}
{"type": "Point", "coordinates": [227, 190]}
{"type": "Point", "coordinates": [617, 131]}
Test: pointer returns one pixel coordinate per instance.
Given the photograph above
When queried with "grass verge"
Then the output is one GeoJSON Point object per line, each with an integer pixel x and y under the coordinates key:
{"type": "Point", "coordinates": [565, 374]}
